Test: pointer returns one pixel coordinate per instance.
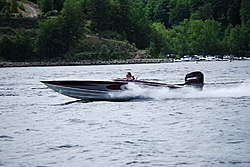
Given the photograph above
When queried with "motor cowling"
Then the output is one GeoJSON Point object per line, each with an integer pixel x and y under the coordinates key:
{"type": "Point", "coordinates": [195, 79]}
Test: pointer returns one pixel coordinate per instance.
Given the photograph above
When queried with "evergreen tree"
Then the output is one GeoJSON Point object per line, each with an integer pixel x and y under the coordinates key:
{"type": "Point", "coordinates": [196, 37]}
{"type": "Point", "coordinates": [3, 4]}
{"type": "Point", "coordinates": [239, 40]}
{"type": "Point", "coordinates": [6, 14]}
{"type": "Point", "coordinates": [178, 11]}
{"type": "Point", "coordinates": [225, 43]}
{"type": "Point", "coordinates": [124, 15]}
{"type": "Point", "coordinates": [220, 8]}
{"type": "Point", "coordinates": [140, 31]}
{"type": "Point", "coordinates": [19, 49]}
{"type": "Point", "coordinates": [211, 32]}
{"type": "Point", "coordinates": [50, 43]}
{"type": "Point", "coordinates": [157, 11]}
{"type": "Point", "coordinates": [233, 12]}
{"type": "Point", "coordinates": [100, 15]}
{"type": "Point", "coordinates": [161, 40]}
{"type": "Point", "coordinates": [245, 11]}
{"type": "Point", "coordinates": [139, 4]}
{"type": "Point", "coordinates": [203, 37]}
{"type": "Point", "coordinates": [24, 46]}
{"type": "Point", "coordinates": [180, 38]}
{"type": "Point", "coordinates": [85, 4]}
{"type": "Point", "coordinates": [104, 52]}
{"type": "Point", "coordinates": [46, 5]}
{"type": "Point", "coordinates": [13, 6]}
{"type": "Point", "coordinates": [72, 20]}
{"type": "Point", "coordinates": [58, 5]}
{"type": "Point", "coordinates": [6, 48]}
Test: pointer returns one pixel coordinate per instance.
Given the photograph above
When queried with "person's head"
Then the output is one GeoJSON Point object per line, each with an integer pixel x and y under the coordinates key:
{"type": "Point", "coordinates": [129, 74]}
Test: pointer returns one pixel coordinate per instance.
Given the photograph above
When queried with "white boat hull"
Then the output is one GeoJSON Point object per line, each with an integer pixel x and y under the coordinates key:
{"type": "Point", "coordinates": [86, 90]}
{"type": "Point", "coordinates": [104, 90]}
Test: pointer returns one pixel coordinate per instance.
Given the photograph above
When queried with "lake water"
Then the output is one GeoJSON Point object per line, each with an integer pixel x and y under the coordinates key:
{"type": "Point", "coordinates": [186, 127]}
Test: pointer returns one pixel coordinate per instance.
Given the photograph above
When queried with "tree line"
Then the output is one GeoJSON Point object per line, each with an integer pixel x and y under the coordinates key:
{"type": "Point", "coordinates": [162, 27]}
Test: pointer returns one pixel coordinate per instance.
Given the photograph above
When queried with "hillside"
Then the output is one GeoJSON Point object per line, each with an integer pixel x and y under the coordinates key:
{"type": "Point", "coordinates": [162, 28]}
{"type": "Point", "coordinates": [91, 47]}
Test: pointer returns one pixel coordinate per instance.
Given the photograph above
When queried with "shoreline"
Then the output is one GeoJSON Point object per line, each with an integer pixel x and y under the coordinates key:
{"type": "Point", "coordinates": [82, 63]}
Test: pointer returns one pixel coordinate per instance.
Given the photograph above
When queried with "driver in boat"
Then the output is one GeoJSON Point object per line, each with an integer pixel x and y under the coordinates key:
{"type": "Point", "coordinates": [129, 77]}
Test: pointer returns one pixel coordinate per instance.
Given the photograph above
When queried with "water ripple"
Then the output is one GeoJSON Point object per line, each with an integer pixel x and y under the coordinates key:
{"type": "Point", "coordinates": [75, 120]}
{"type": "Point", "coordinates": [67, 146]}
{"type": "Point", "coordinates": [5, 137]}
{"type": "Point", "coordinates": [235, 142]}
{"type": "Point", "coordinates": [39, 127]}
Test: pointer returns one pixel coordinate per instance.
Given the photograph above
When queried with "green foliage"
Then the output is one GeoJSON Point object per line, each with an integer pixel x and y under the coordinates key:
{"type": "Point", "coordinates": [160, 44]}
{"type": "Point", "coordinates": [3, 3]}
{"type": "Point", "coordinates": [49, 39]}
{"type": "Point", "coordinates": [18, 49]}
{"type": "Point", "coordinates": [21, 6]}
{"type": "Point", "coordinates": [24, 46]}
{"type": "Point", "coordinates": [72, 22]}
{"type": "Point", "coordinates": [104, 52]}
{"type": "Point", "coordinates": [245, 11]}
{"type": "Point", "coordinates": [58, 5]}
{"type": "Point", "coordinates": [134, 45]}
{"type": "Point", "coordinates": [152, 49]}
{"type": "Point", "coordinates": [211, 33]}
{"type": "Point", "coordinates": [203, 37]}
{"type": "Point", "coordinates": [6, 9]}
{"type": "Point", "coordinates": [180, 38]}
{"type": "Point", "coordinates": [7, 31]}
{"type": "Point", "coordinates": [19, 23]}
{"type": "Point", "coordinates": [20, 15]}
{"type": "Point", "coordinates": [157, 11]}
{"type": "Point", "coordinates": [239, 40]}
{"type": "Point", "coordinates": [100, 15]}
{"type": "Point", "coordinates": [178, 11]}
{"type": "Point", "coordinates": [233, 12]}
{"type": "Point", "coordinates": [225, 43]}
{"type": "Point", "coordinates": [124, 15]}
{"type": "Point", "coordinates": [13, 6]}
{"type": "Point", "coordinates": [85, 4]}
{"type": "Point", "coordinates": [6, 14]}
{"type": "Point", "coordinates": [193, 37]}
{"type": "Point", "coordinates": [46, 5]}
{"type": "Point", "coordinates": [139, 31]}
{"type": "Point", "coordinates": [6, 48]}
{"type": "Point", "coordinates": [59, 36]}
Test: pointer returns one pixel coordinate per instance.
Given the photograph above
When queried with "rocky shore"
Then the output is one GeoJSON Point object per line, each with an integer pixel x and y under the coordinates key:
{"type": "Point", "coordinates": [86, 62]}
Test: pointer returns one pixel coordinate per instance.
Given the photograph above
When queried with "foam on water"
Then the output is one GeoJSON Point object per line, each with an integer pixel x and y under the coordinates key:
{"type": "Point", "coordinates": [232, 90]}
{"type": "Point", "coordinates": [212, 91]}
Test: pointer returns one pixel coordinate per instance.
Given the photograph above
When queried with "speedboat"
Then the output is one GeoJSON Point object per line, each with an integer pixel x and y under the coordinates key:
{"type": "Point", "coordinates": [92, 90]}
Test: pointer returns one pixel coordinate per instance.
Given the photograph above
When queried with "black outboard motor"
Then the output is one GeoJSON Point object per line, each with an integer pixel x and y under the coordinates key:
{"type": "Point", "coordinates": [195, 79]}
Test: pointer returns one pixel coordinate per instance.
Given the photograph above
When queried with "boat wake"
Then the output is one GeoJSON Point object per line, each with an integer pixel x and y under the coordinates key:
{"type": "Point", "coordinates": [215, 90]}
{"type": "Point", "coordinates": [227, 90]}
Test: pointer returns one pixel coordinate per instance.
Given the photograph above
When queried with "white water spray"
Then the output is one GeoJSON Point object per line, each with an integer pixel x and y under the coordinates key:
{"type": "Point", "coordinates": [211, 91]}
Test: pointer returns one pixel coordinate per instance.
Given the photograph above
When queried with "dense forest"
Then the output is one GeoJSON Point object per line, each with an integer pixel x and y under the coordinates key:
{"type": "Point", "coordinates": [73, 30]}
